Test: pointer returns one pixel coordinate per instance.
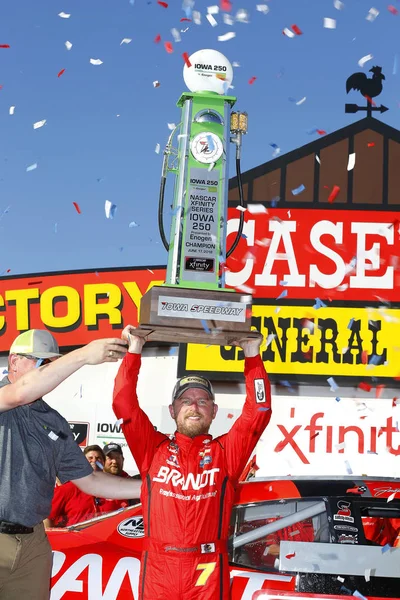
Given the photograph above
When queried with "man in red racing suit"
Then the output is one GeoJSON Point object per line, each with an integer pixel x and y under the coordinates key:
{"type": "Point", "coordinates": [189, 479]}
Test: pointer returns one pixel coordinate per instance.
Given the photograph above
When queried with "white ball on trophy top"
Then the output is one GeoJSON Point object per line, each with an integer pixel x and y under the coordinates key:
{"type": "Point", "coordinates": [209, 71]}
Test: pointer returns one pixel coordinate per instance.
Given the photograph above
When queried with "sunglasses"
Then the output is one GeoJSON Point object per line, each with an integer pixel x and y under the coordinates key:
{"type": "Point", "coordinates": [39, 361]}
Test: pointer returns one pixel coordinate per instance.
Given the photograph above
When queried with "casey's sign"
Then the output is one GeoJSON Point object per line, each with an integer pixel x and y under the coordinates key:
{"type": "Point", "coordinates": [75, 307]}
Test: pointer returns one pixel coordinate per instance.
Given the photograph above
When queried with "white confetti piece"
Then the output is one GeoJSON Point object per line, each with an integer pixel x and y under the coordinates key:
{"type": "Point", "coordinates": [338, 5]}
{"type": "Point", "coordinates": [228, 19]}
{"type": "Point", "coordinates": [196, 17]}
{"type": "Point", "coordinates": [213, 10]}
{"type": "Point", "coordinates": [96, 61]}
{"type": "Point", "coordinates": [134, 224]}
{"type": "Point", "coordinates": [68, 45]}
{"type": "Point", "coordinates": [341, 579]}
{"type": "Point", "coordinates": [372, 14]}
{"type": "Point", "coordinates": [263, 8]}
{"type": "Point", "coordinates": [288, 33]}
{"type": "Point", "coordinates": [157, 150]}
{"type": "Point", "coordinates": [235, 64]}
{"type": "Point", "coordinates": [227, 36]}
{"type": "Point", "coordinates": [125, 41]}
{"type": "Point", "coordinates": [242, 16]}
{"type": "Point", "coordinates": [156, 84]}
{"type": "Point", "coordinates": [11, 110]}
{"type": "Point", "coordinates": [176, 35]}
{"type": "Point", "coordinates": [367, 574]}
{"type": "Point", "coordinates": [110, 209]}
{"type": "Point", "coordinates": [256, 209]}
{"type": "Point", "coordinates": [64, 15]}
{"type": "Point", "coordinates": [391, 497]}
{"type": "Point", "coordinates": [171, 126]}
{"type": "Point", "coordinates": [348, 467]}
{"type": "Point", "coordinates": [31, 167]}
{"type": "Point", "coordinates": [241, 208]}
{"type": "Point", "coordinates": [329, 23]}
{"type": "Point", "coordinates": [211, 20]}
{"type": "Point", "coordinates": [245, 288]}
{"type": "Point", "coordinates": [270, 337]}
{"type": "Point", "coordinates": [39, 124]}
{"type": "Point", "coordinates": [364, 60]}
{"type": "Point", "coordinates": [340, 446]}
{"type": "Point", "coordinates": [119, 422]}
{"type": "Point", "coordinates": [317, 158]}
{"type": "Point", "coordinates": [352, 161]}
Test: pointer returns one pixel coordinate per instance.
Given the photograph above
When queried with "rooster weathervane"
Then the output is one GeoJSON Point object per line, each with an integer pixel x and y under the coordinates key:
{"type": "Point", "coordinates": [369, 88]}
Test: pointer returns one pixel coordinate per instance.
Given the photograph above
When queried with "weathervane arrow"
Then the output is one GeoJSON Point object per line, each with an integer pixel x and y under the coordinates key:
{"type": "Point", "coordinates": [353, 108]}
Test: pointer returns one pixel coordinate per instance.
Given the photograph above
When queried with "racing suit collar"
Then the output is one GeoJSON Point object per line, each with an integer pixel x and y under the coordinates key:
{"type": "Point", "coordinates": [186, 441]}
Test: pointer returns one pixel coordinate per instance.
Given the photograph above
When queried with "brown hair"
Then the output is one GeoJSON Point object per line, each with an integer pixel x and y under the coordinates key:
{"type": "Point", "coordinates": [95, 448]}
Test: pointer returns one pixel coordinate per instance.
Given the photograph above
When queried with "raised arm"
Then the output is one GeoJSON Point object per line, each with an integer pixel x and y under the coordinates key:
{"type": "Point", "coordinates": [137, 428]}
{"type": "Point", "coordinates": [38, 382]}
{"type": "Point", "coordinates": [242, 438]}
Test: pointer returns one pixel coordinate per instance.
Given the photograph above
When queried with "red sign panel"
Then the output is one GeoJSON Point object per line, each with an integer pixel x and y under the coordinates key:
{"type": "Point", "coordinates": [314, 253]}
{"type": "Point", "coordinates": [75, 307]}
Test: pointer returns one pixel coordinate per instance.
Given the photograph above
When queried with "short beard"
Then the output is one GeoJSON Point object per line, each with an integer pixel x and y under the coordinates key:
{"type": "Point", "coordinates": [192, 429]}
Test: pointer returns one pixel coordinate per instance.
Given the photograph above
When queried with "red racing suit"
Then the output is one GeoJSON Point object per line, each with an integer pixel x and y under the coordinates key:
{"type": "Point", "coordinates": [188, 489]}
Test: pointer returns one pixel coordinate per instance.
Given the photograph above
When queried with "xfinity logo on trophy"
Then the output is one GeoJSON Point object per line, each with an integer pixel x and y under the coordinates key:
{"type": "Point", "coordinates": [199, 264]}
{"type": "Point", "coordinates": [192, 309]}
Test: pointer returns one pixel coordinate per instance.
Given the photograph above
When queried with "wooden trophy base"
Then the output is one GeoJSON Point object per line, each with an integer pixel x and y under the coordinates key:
{"type": "Point", "coordinates": [212, 317]}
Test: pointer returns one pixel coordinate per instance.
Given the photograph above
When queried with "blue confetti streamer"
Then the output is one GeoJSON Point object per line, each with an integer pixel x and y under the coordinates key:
{"type": "Point", "coordinates": [345, 589]}
{"type": "Point", "coordinates": [275, 201]}
{"type": "Point", "coordinates": [274, 146]}
{"type": "Point", "coordinates": [298, 190]}
{"type": "Point", "coordinates": [348, 467]}
{"type": "Point", "coordinates": [264, 409]}
{"type": "Point", "coordinates": [385, 548]}
{"type": "Point", "coordinates": [359, 595]}
{"type": "Point", "coordinates": [350, 325]}
{"type": "Point", "coordinates": [282, 295]}
{"type": "Point", "coordinates": [338, 399]}
{"type": "Point", "coordinates": [319, 304]}
{"type": "Point", "coordinates": [333, 384]}
{"type": "Point", "coordinates": [205, 327]}
{"type": "Point", "coordinates": [395, 65]}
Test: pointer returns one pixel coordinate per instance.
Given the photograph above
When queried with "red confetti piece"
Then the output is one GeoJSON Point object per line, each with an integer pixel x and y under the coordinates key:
{"type": "Point", "coordinates": [230, 416]}
{"type": "Point", "coordinates": [364, 357]}
{"type": "Point", "coordinates": [394, 402]}
{"type": "Point", "coordinates": [297, 30]}
{"type": "Point", "coordinates": [168, 47]}
{"type": "Point", "coordinates": [78, 210]}
{"type": "Point", "coordinates": [226, 5]}
{"type": "Point", "coordinates": [371, 144]}
{"type": "Point", "coordinates": [220, 76]}
{"type": "Point", "coordinates": [185, 19]}
{"type": "Point", "coordinates": [186, 59]}
{"type": "Point", "coordinates": [321, 131]}
{"type": "Point", "coordinates": [4, 45]}
{"type": "Point", "coordinates": [291, 555]}
{"type": "Point", "coordinates": [365, 386]}
{"type": "Point", "coordinates": [157, 39]}
{"type": "Point", "coordinates": [61, 73]}
{"type": "Point", "coordinates": [163, 4]}
{"type": "Point", "coordinates": [392, 9]}
{"type": "Point", "coordinates": [369, 100]}
{"type": "Point", "coordinates": [252, 80]}
{"type": "Point", "coordinates": [334, 194]}
{"type": "Point", "coordinates": [379, 389]}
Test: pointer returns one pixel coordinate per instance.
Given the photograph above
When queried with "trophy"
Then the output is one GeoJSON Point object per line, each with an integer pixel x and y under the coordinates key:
{"type": "Point", "coordinates": [193, 304]}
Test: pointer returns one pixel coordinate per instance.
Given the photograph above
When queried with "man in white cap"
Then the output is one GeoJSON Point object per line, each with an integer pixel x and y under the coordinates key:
{"type": "Point", "coordinates": [36, 446]}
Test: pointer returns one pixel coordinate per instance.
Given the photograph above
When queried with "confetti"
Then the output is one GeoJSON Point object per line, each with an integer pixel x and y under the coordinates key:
{"type": "Point", "coordinates": [334, 194]}
{"type": "Point", "coordinates": [230, 416]}
{"type": "Point", "coordinates": [288, 33]}
{"type": "Point", "coordinates": [78, 210]}
{"type": "Point", "coordinates": [32, 167]}
{"type": "Point", "coordinates": [298, 190]}
{"type": "Point", "coordinates": [185, 57]}
{"type": "Point", "coordinates": [263, 8]}
{"type": "Point", "coordinates": [157, 39]}
{"type": "Point", "coordinates": [163, 4]}
{"type": "Point", "coordinates": [256, 209]}
{"type": "Point", "coordinates": [301, 101]}
{"type": "Point", "coordinates": [391, 497]}
{"type": "Point", "coordinates": [110, 209]}
{"type": "Point", "coordinates": [156, 84]}
{"type": "Point", "coordinates": [227, 36]}
{"type": "Point", "coordinates": [176, 35]}
{"type": "Point", "coordinates": [11, 110]}
{"type": "Point", "coordinates": [264, 409]}
{"type": "Point", "coordinates": [213, 10]}
{"type": "Point", "coordinates": [333, 385]}
{"type": "Point", "coordinates": [134, 224]}
{"type": "Point", "coordinates": [68, 45]}
{"type": "Point", "coordinates": [125, 41]}
{"type": "Point", "coordinates": [242, 16]}
{"type": "Point", "coordinates": [196, 17]}
{"type": "Point", "coordinates": [226, 5]}
{"type": "Point", "coordinates": [171, 126]}
{"type": "Point", "coordinates": [365, 386]}
{"type": "Point", "coordinates": [39, 124]}
{"type": "Point", "coordinates": [367, 574]}
{"type": "Point", "coordinates": [4, 45]}
{"type": "Point", "coordinates": [211, 20]}
{"type": "Point", "coordinates": [350, 325]}
{"type": "Point", "coordinates": [329, 23]}
{"type": "Point", "coordinates": [61, 73]}
{"type": "Point", "coordinates": [157, 150]}
{"type": "Point", "coordinates": [351, 162]}
{"type": "Point", "coordinates": [64, 15]}
{"type": "Point", "coordinates": [371, 144]}
{"type": "Point", "coordinates": [205, 326]}
{"type": "Point", "coordinates": [119, 422]}
{"type": "Point", "coordinates": [364, 60]}
{"type": "Point", "coordinates": [319, 304]}
{"type": "Point", "coordinates": [252, 80]}
{"type": "Point", "coordinates": [385, 548]}
{"type": "Point", "coordinates": [96, 61]}
{"type": "Point", "coordinates": [338, 5]}
{"type": "Point", "coordinates": [348, 467]}
{"type": "Point", "coordinates": [392, 9]}
{"type": "Point", "coordinates": [168, 47]}
{"type": "Point", "coordinates": [292, 555]}
{"type": "Point", "coordinates": [372, 14]}
{"type": "Point", "coordinates": [297, 30]}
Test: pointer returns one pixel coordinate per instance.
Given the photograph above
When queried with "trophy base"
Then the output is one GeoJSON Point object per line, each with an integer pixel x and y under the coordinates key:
{"type": "Point", "coordinates": [212, 317]}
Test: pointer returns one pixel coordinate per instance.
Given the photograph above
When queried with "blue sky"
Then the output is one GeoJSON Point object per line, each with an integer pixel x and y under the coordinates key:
{"type": "Point", "coordinates": [87, 154]}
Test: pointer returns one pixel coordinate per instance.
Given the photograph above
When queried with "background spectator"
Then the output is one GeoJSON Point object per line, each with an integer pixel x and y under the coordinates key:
{"type": "Point", "coordinates": [95, 456]}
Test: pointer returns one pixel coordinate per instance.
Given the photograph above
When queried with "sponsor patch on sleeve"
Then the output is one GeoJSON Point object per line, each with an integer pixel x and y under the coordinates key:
{"type": "Point", "coordinates": [259, 390]}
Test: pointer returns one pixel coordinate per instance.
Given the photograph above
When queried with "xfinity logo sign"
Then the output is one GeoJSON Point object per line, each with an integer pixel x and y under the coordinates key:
{"type": "Point", "coordinates": [200, 309]}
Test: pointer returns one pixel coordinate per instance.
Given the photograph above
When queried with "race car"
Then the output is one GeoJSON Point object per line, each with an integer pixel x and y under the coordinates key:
{"type": "Point", "coordinates": [290, 539]}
